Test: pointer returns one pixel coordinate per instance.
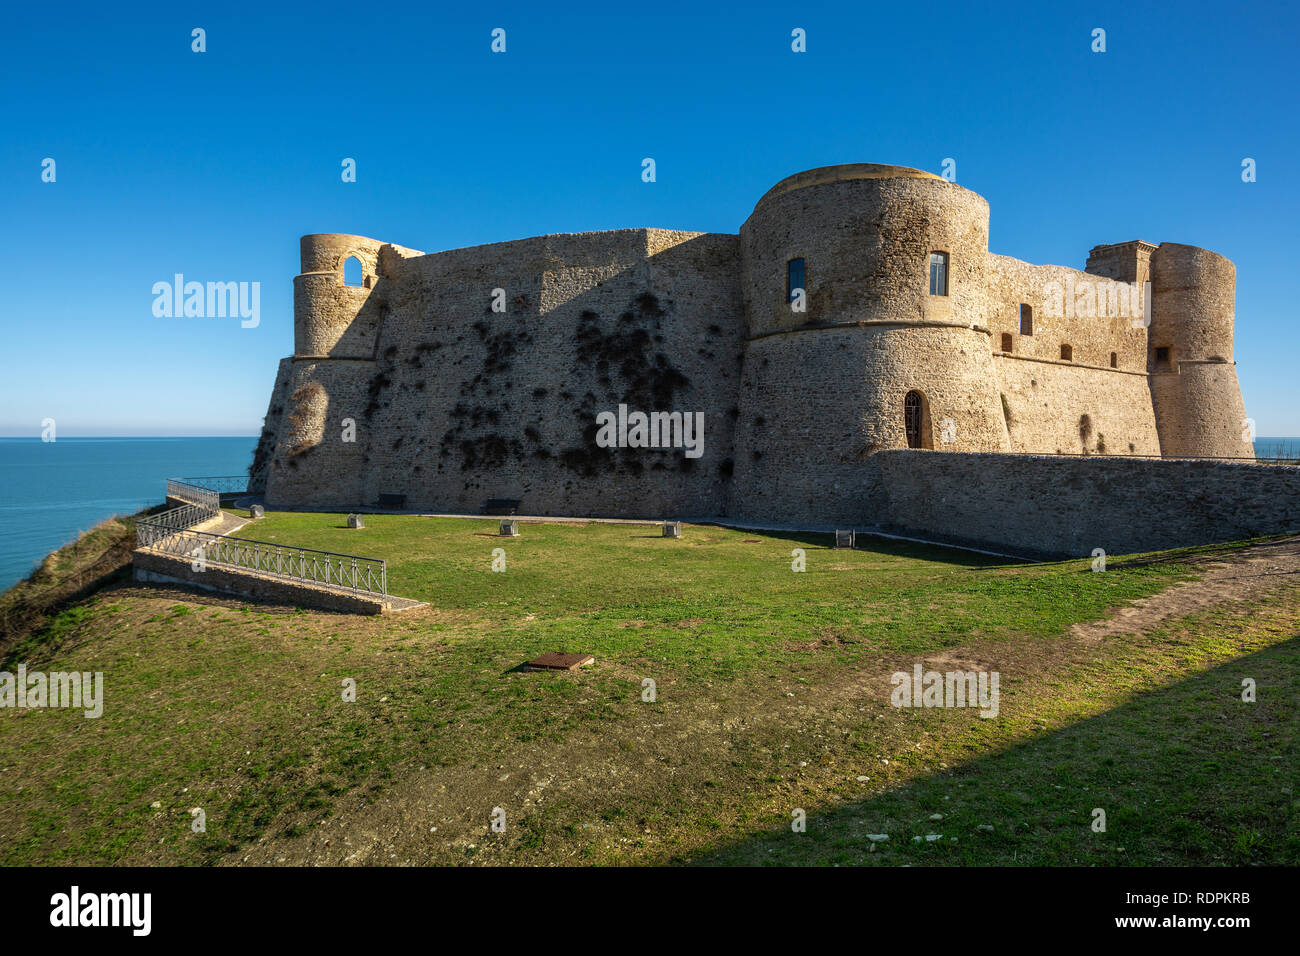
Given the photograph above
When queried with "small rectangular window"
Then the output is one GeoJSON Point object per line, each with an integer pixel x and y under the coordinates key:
{"type": "Point", "coordinates": [1114, 360]}
{"type": "Point", "coordinates": [1162, 355]}
{"type": "Point", "coordinates": [1026, 320]}
{"type": "Point", "coordinates": [1006, 341]}
{"type": "Point", "coordinates": [794, 279]}
{"type": "Point", "coordinates": [938, 273]}
{"type": "Point", "coordinates": [1067, 353]}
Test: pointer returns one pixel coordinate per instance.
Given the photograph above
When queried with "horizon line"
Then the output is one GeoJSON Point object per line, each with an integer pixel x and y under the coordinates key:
{"type": "Point", "coordinates": [119, 437]}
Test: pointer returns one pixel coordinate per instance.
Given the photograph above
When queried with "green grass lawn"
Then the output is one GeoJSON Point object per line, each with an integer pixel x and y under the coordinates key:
{"type": "Point", "coordinates": [771, 695]}
{"type": "Point", "coordinates": [716, 602]}
{"type": "Point", "coordinates": [1158, 738]}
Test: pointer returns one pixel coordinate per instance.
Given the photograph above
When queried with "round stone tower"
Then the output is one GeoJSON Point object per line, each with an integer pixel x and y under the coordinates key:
{"type": "Point", "coordinates": [330, 319]}
{"type": "Point", "coordinates": [890, 351]}
{"type": "Point", "coordinates": [1194, 387]}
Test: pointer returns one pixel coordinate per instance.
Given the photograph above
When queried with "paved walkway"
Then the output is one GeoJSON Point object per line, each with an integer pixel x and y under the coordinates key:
{"type": "Point", "coordinates": [228, 524]}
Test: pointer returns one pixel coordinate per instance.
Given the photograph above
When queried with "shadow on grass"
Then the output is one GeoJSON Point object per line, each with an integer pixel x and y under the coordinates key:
{"type": "Point", "coordinates": [1188, 774]}
{"type": "Point", "coordinates": [894, 548]}
{"type": "Point", "coordinates": [193, 594]}
{"type": "Point", "coordinates": [1202, 554]}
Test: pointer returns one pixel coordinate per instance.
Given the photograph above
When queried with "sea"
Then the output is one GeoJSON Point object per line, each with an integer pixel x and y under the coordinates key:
{"type": "Point", "coordinates": [50, 492]}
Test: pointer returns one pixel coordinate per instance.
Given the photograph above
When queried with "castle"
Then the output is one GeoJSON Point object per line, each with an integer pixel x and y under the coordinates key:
{"type": "Point", "coordinates": [858, 310]}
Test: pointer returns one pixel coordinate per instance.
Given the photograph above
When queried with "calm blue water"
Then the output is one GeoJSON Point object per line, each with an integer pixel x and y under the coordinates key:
{"type": "Point", "coordinates": [52, 491]}
{"type": "Point", "coordinates": [1277, 448]}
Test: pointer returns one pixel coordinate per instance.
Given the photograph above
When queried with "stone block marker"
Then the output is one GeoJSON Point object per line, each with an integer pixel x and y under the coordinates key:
{"type": "Point", "coordinates": [510, 528]}
{"type": "Point", "coordinates": [672, 529]}
{"type": "Point", "coordinates": [356, 521]}
{"type": "Point", "coordinates": [845, 539]}
{"type": "Point", "coordinates": [257, 511]}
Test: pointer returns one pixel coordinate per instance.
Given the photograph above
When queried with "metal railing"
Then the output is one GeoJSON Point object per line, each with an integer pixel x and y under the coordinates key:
{"type": "Point", "coordinates": [185, 490]}
{"type": "Point", "coordinates": [221, 484]}
{"type": "Point", "coordinates": [186, 516]}
{"type": "Point", "coordinates": [348, 572]}
{"type": "Point", "coordinates": [172, 532]}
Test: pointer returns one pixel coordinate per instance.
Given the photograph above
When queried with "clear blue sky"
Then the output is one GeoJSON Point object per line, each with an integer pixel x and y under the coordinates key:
{"type": "Point", "coordinates": [214, 164]}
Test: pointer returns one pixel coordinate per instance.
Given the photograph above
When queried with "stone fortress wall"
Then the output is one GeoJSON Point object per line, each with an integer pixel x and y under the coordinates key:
{"type": "Point", "coordinates": [453, 403]}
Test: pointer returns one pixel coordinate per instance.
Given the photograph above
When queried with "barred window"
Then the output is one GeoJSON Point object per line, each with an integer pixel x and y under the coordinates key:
{"type": "Point", "coordinates": [913, 419]}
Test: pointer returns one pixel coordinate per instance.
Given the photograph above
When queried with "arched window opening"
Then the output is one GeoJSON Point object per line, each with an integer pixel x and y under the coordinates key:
{"type": "Point", "coordinates": [1067, 353]}
{"type": "Point", "coordinates": [352, 271]}
{"type": "Point", "coordinates": [914, 420]}
{"type": "Point", "coordinates": [1006, 341]}
{"type": "Point", "coordinates": [938, 273]}
{"type": "Point", "coordinates": [1026, 320]}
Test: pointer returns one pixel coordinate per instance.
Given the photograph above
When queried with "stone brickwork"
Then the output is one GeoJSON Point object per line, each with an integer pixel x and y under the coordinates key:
{"type": "Point", "coordinates": [1066, 408]}
{"type": "Point", "coordinates": [1197, 399]}
{"type": "Point", "coordinates": [455, 377]}
{"type": "Point", "coordinates": [459, 403]}
{"type": "Point", "coordinates": [1062, 507]}
{"type": "Point", "coordinates": [1093, 338]}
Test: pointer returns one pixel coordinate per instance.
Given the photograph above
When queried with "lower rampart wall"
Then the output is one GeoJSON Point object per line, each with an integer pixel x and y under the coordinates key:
{"type": "Point", "coordinates": [165, 569]}
{"type": "Point", "coordinates": [1057, 506]}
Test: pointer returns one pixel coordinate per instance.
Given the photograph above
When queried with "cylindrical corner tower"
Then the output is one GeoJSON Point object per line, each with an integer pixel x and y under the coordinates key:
{"type": "Point", "coordinates": [1194, 387]}
{"type": "Point", "coordinates": [330, 318]}
{"type": "Point", "coordinates": [892, 349]}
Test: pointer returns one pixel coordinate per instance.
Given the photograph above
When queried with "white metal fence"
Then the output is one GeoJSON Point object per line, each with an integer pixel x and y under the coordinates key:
{"type": "Point", "coordinates": [172, 532]}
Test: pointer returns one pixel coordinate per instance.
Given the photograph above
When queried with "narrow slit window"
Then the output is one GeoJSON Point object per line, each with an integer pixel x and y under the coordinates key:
{"type": "Point", "coordinates": [794, 279]}
{"type": "Point", "coordinates": [938, 273]}
{"type": "Point", "coordinates": [1026, 320]}
{"type": "Point", "coordinates": [1114, 360]}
